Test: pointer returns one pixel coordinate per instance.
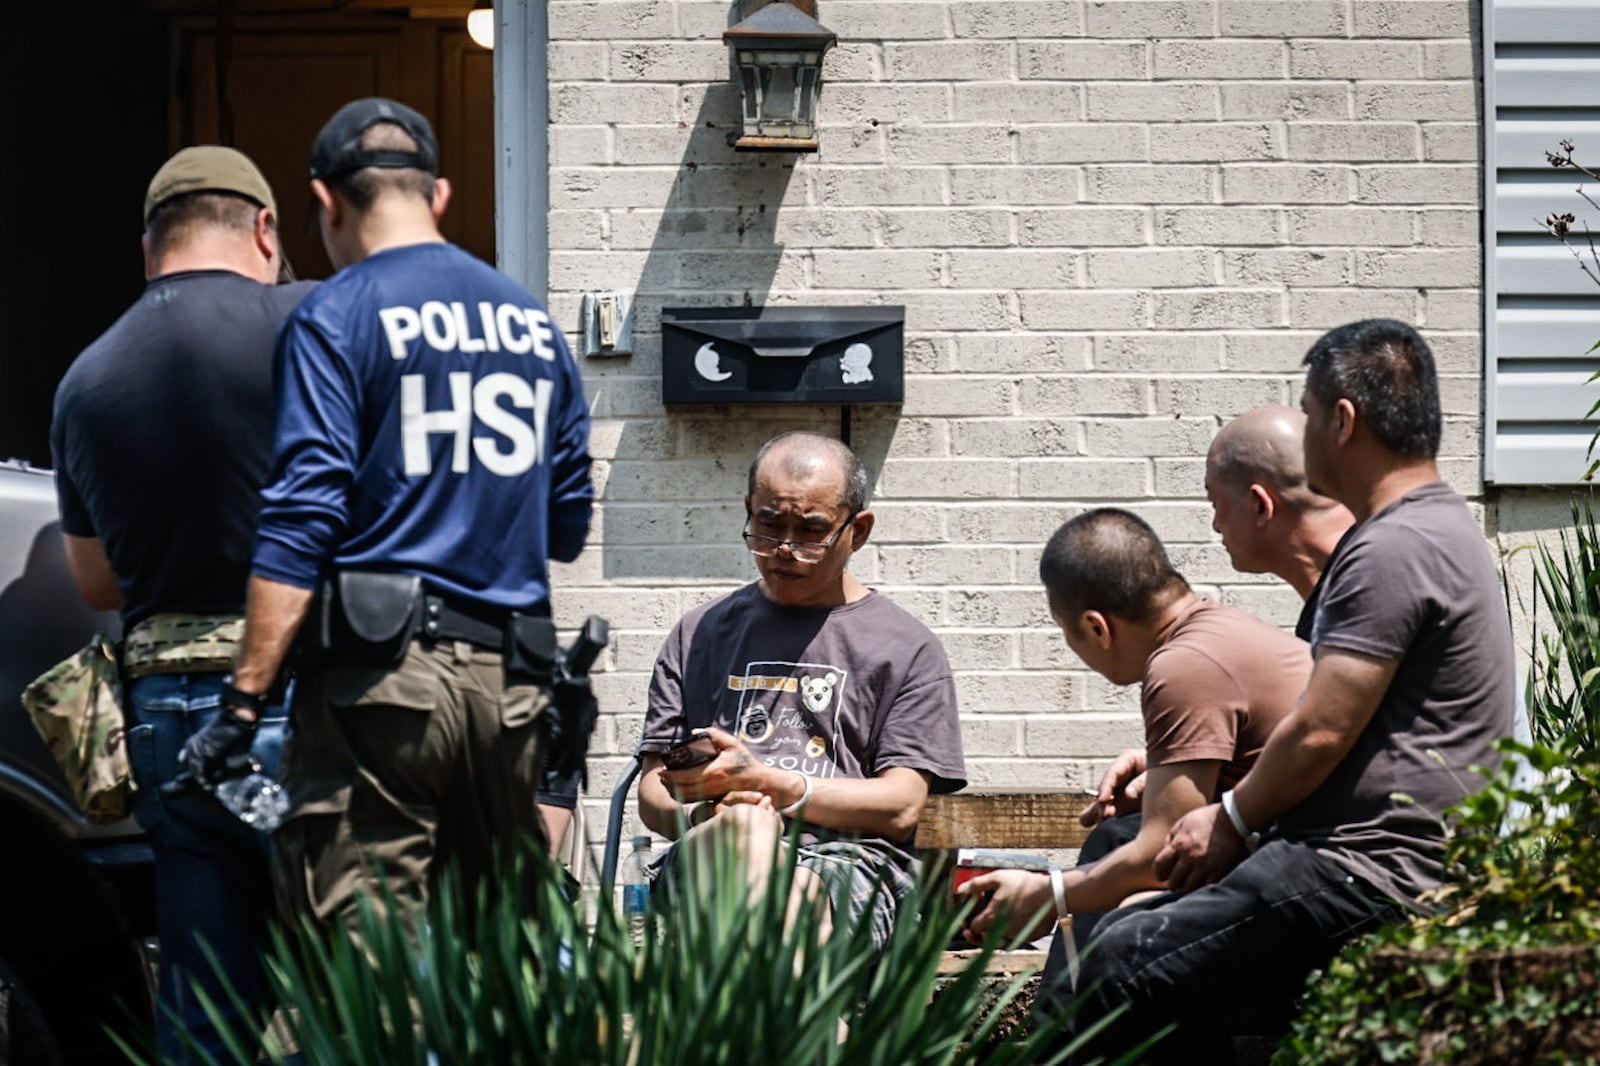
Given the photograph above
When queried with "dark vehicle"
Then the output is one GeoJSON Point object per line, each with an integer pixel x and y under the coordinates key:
{"type": "Point", "coordinates": [77, 914]}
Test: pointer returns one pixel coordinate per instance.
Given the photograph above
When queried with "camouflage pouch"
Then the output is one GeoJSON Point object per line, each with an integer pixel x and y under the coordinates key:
{"type": "Point", "coordinates": [77, 708]}
{"type": "Point", "coordinates": [182, 644]}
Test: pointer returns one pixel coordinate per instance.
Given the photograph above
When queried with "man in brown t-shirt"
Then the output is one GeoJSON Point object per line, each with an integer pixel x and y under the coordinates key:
{"type": "Point", "coordinates": [1271, 522]}
{"type": "Point", "coordinates": [1213, 681]}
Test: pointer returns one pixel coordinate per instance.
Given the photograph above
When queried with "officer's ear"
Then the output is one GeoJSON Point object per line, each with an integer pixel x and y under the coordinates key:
{"type": "Point", "coordinates": [441, 197]}
{"type": "Point", "coordinates": [326, 202]}
{"type": "Point", "coordinates": [149, 259]}
{"type": "Point", "coordinates": [265, 236]}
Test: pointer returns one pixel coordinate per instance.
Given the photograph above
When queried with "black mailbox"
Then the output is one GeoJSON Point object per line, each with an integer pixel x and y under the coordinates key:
{"type": "Point", "coordinates": [843, 355]}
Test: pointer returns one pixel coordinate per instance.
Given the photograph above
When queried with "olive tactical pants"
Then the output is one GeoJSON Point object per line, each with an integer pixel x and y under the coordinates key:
{"type": "Point", "coordinates": [394, 774]}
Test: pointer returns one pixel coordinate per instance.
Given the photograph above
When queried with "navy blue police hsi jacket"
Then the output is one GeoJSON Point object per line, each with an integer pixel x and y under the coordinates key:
{"type": "Point", "coordinates": [431, 419]}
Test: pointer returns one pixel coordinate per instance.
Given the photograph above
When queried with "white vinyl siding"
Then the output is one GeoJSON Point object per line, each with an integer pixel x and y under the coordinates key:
{"type": "Point", "coordinates": [1541, 85]}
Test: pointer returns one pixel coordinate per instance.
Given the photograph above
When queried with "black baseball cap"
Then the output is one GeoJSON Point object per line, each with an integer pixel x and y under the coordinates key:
{"type": "Point", "coordinates": [337, 149]}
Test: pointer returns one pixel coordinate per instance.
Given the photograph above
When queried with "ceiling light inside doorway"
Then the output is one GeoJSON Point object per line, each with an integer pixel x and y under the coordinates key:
{"type": "Point", "coordinates": [480, 24]}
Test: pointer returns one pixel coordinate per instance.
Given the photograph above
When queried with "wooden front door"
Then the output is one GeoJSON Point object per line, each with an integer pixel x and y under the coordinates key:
{"type": "Point", "coordinates": [266, 86]}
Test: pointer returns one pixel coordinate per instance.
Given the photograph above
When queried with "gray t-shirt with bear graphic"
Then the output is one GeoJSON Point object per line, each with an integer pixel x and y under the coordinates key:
{"type": "Point", "coordinates": [846, 691]}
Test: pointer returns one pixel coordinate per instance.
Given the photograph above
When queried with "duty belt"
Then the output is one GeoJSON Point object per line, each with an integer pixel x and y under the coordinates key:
{"type": "Point", "coordinates": [528, 642]}
{"type": "Point", "coordinates": [450, 619]}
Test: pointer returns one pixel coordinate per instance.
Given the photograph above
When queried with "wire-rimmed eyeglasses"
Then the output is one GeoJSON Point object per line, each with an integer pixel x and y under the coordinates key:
{"type": "Point", "coordinates": [806, 551]}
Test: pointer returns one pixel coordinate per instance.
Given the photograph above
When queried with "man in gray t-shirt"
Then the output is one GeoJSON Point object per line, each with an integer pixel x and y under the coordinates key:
{"type": "Point", "coordinates": [822, 700]}
{"type": "Point", "coordinates": [1412, 585]}
{"type": "Point", "coordinates": [1338, 828]}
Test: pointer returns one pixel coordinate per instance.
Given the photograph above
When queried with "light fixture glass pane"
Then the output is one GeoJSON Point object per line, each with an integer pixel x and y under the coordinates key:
{"type": "Point", "coordinates": [750, 93]}
{"type": "Point", "coordinates": [779, 90]}
{"type": "Point", "coordinates": [778, 95]}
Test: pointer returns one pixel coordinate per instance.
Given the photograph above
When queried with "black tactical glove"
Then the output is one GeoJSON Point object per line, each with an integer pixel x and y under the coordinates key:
{"type": "Point", "coordinates": [205, 756]}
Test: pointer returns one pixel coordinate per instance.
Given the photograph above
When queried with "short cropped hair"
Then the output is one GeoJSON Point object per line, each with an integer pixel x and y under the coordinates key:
{"type": "Point", "coordinates": [182, 217]}
{"type": "Point", "coordinates": [1386, 370]}
{"type": "Point", "coordinates": [1110, 561]}
{"type": "Point", "coordinates": [801, 446]}
{"type": "Point", "coordinates": [362, 188]}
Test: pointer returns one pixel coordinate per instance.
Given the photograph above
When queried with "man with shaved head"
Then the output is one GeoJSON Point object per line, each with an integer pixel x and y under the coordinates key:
{"type": "Point", "coordinates": [1270, 519]}
{"type": "Point", "coordinates": [822, 701]}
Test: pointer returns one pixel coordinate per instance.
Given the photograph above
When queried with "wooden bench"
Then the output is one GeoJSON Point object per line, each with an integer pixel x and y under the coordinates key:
{"type": "Point", "coordinates": [1017, 820]}
{"type": "Point", "coordinates": [1010, 820]}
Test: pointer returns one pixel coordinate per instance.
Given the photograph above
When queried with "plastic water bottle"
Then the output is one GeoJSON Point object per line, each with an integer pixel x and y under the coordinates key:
{"type": "Point", "coordinates": [636, 888]}
{"type": "Point", "coordinates": [255, 799]}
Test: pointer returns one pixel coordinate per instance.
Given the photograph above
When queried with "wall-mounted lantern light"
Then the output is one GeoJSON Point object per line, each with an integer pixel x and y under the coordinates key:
{"type": "Point", "coordinates": [778, 52]}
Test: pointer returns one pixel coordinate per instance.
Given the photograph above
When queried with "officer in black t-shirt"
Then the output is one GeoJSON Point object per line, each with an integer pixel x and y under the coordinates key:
{"type": "Point", "coordinates": [162, 438]}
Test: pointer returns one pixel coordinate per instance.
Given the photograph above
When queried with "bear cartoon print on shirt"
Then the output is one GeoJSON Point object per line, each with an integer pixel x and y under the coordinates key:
{"type": "Point", "coordinates": [789, 714]}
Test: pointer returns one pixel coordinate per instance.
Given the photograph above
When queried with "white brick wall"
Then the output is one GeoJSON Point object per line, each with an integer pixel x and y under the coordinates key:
{"type": "Point", "coordinates": [1114, 224]}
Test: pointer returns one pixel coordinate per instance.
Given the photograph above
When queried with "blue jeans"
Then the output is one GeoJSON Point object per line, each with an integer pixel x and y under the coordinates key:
{"type": "Point", "coordinates": [1224, 960]}
{"type": "Point", "coordinates": [212, 877]}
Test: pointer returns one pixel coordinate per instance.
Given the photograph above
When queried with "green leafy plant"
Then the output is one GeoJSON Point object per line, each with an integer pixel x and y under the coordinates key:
{"type": "Point", "coordinates": [1564, 684]}
{"type": "Point", "coordinates": [1509, 969]}
{"type": "Point", "coordinates": [718, 978]}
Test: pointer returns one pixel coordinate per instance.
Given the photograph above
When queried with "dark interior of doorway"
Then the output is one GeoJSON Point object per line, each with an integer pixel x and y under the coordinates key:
{"type": "Point", "coordinates": [93, 104]}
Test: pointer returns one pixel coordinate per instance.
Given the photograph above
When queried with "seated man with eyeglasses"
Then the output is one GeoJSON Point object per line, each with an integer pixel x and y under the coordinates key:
{"type": "Point", "coordinates": [821, 700]}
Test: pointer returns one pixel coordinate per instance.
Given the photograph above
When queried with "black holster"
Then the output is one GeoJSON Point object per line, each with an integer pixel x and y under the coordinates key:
{"type": "Point", "coordinates": [573, 706]}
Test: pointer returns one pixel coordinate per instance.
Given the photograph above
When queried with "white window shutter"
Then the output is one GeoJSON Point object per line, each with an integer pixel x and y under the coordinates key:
{"type": "Point", "coordinates": [1541, 86]}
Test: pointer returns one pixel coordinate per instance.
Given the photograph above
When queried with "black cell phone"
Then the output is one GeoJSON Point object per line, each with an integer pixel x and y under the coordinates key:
{"type": "Point", "coordinates": [696, 751]}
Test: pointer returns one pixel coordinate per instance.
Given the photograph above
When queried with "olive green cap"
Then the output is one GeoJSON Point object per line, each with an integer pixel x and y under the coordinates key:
{"type": "Point", "coordinates": [208, 168]}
